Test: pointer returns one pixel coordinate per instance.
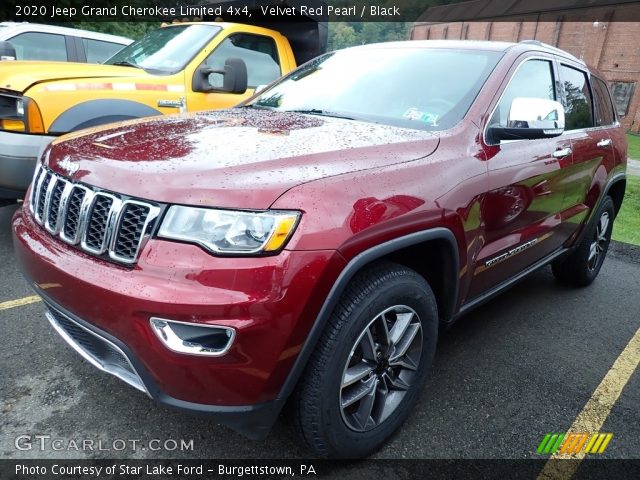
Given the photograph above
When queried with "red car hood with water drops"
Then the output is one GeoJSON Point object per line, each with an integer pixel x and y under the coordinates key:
{"type": "Point", "coordinates": [238, 158]}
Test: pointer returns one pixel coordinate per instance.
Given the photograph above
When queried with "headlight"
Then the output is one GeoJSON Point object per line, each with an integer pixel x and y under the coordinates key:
{"type": "Point", "coordinates": [20, 114]}
{"type": "Point", "coordinates": [230, 232]}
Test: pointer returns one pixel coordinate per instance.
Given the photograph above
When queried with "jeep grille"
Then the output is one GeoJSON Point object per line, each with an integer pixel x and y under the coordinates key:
{"type": "Point", "coordinates": [99, 222]}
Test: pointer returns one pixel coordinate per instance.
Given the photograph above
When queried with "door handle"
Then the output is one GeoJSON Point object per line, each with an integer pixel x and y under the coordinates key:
{"type": "Point", "coordinates": [564, 152]}
{"type": "Point", "coordinates": [605, 142]}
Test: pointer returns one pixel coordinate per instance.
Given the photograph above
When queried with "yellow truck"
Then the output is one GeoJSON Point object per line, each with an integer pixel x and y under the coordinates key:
{"type": "Point", "coordinates": [177, 68]}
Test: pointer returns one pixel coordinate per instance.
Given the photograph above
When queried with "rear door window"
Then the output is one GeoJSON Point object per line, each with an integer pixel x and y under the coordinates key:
{"type": "Point", "coordinates": [577, 98]}
{"type": "Point", "coordinates": [604, 111]}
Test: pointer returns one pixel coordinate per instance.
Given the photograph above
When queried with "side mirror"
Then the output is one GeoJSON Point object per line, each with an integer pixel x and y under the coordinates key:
{"type": "Point", "coordinates": [7, 51]}
{"type": "Point", "coordinates": [530, 119]}
{"type": "Point", "coordinates": [231, 79]}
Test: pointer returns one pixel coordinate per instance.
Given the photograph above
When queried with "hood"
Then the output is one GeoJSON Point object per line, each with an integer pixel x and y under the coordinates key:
{"type": "Point", "coordinates": [20, 76]}
{"type": "Point", "coordinates": [239, 158]}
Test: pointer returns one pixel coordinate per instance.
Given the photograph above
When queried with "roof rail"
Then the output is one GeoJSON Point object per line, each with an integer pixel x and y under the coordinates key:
{"type": "Point", "coordinates": [533, 42]}
{"type": "Point", "coordinates": [552, 48]}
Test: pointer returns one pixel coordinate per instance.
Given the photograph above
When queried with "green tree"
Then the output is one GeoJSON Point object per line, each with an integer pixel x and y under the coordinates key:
{"type": "Point", "coordinates": [342, 35]}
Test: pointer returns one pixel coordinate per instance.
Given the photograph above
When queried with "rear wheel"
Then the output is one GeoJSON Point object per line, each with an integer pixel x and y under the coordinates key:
{"type": "Point", "coordinates": [582, 266]}
{"type": "Point", "coordinates": [370, 364]}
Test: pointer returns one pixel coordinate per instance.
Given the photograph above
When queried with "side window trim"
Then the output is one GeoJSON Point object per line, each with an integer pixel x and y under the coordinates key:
{"type": "Point", "coordinates": [556, 91]}
{"type": "Point", "coordinates": [82, 55]}
{"type": "Point", "coordinates": [616, 118]}
{"type": "Point", "coordinates": [72, 48]}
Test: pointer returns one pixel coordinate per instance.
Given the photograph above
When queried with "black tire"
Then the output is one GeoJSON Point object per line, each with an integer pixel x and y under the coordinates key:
{"type": "Point", "coordinates": [580, 268]}
{"type": "Point", "coordinates": [317, 404]}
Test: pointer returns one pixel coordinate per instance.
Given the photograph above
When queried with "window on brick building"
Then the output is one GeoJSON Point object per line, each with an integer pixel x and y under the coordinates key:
{"type": "Point", "coordinates": [622, 95]}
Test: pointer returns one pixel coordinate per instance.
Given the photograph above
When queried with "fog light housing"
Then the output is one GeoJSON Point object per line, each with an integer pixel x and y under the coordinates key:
{"type": "Point", "coordinates": [193, 338]}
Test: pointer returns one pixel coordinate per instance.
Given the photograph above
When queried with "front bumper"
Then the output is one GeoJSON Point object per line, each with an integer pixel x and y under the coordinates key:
{"type": "Point", "coordinates": [18, 155]}
{"type": "Point", "coordinates": [270, 302]}
{"type": "Point", "coordinates": [110, 355]}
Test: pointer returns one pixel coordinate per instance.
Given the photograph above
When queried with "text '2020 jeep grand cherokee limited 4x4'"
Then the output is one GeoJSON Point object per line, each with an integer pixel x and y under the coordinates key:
{"type": "Point", "coordinates": [307, 246]}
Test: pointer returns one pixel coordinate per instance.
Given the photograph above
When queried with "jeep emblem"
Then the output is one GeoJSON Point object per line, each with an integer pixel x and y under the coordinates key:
{"type": "Point", "coordinates": [68, 166]}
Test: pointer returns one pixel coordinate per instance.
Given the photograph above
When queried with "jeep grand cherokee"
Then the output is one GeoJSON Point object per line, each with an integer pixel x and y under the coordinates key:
{"type": "Point", "coordinates": [306, 247]}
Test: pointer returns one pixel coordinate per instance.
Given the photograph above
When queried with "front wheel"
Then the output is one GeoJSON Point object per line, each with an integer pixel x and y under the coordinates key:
{"type": "Point", "coordinates": [370, 364]}
{"type": "Point", "coordinates": [582, 266]}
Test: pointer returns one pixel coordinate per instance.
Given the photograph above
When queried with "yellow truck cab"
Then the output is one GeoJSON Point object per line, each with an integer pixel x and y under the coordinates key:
{"type": "Point", "coordinates": [176, 68]}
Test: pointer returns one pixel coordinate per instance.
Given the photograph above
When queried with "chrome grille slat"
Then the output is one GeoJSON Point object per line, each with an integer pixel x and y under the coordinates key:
{"type": "Point", "coordinates": [54, 209]}
{"type": "Point", "coordinates": [95, 237]}
{"type": "Point", "coordinates": [97, 222]}
{"type": "Point", "coordinates": [43, 188]}
{"type": "Point", "coordinates": [51, 185]}
{"type": "Point", "coordinates": [133, 220]}
{"type": "Point", "coordinates": [72, 220]}
{"type": "Point", "coordinates": [34, 187]}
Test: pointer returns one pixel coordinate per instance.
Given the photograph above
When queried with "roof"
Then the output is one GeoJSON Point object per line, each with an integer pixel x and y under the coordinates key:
{"type": "Point", "coordinates": [487, 45]}
{"type": "Point", "coordinates": [453, 44]}
{"type": "Point", "coordinates": [15, 27]}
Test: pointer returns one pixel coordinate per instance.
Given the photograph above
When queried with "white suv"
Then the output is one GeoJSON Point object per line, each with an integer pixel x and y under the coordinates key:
{"type": "Point", "coordinates": [32, 41]}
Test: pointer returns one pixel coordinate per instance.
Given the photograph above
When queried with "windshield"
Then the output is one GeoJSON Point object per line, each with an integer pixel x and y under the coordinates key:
{"type": "Point", "coordinates": [166, 50]}
{"type": "Point", "coordinates": [423, 88]}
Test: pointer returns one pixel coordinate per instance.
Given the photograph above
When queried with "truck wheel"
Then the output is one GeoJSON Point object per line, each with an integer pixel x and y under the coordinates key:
{"type": "Point", "coordinates": [368, 368]}
{"type": "Point", "coordinates": [581, 267]}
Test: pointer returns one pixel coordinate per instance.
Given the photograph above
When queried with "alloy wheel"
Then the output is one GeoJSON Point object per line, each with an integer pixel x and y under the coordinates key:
{"type": "Point", "coordinates": [381, 368]}
{"type": "Point", "coordinates": [599, 244]}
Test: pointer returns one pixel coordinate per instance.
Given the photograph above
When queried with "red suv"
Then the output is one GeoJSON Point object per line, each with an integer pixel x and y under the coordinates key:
{"type": "Point", "coordinates": [306, 247]}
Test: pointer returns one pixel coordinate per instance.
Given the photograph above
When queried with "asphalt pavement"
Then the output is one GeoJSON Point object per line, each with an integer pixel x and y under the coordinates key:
{"type": "Point", "coordinates": [522, 365]}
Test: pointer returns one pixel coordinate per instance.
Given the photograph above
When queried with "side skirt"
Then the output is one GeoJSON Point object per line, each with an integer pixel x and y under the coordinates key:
{"type": "Point", "coordinates": [493, 292]}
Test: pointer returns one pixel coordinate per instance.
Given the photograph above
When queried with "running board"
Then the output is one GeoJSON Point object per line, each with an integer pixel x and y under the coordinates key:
{"type": "Point", "coordinates": [488, 295]}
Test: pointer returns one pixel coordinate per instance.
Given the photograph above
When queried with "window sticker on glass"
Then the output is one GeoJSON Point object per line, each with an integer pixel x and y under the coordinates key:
{"type": "Point", "coordinates": [428, 118]}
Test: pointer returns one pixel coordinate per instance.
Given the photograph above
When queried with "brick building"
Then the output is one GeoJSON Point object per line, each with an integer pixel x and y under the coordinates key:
{"type": "Point", "coordinates": [606, 35]}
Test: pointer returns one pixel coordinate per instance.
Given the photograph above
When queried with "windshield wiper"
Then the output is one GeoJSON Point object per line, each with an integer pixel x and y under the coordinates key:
{"type": "Point", "coordinates": [258, 106]}
{"type": "Point", "coordinates": [127, 63]}
{"type": "Point", "coordinates": [322, 113]}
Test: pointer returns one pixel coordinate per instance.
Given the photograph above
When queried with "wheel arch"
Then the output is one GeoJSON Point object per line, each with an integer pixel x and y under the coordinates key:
{"type": "Point", "coordinates": [616, 191]}
{"type": "Point", "coordinates": [99, 112]}
{"type": "Point", "coordinates": [442, 243]}
{"type": "Point", "coordinates": [615, 188]}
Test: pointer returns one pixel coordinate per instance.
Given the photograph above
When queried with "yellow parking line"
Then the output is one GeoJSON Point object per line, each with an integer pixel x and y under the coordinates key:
{"type": "Point", "coordinates": [596, 410]}
{"type": "Point", "coordinates": [19, 302]}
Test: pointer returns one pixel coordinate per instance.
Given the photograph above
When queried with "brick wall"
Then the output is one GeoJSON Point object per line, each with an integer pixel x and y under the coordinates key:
{"type": "Point", "coordinates": [612, 46]}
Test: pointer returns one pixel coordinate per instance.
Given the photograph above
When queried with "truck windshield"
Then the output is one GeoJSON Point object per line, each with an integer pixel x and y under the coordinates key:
{"type": "Point", "coordinates": [422, 88]}
{"type": "Point", "coordinates": [166, 50]}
